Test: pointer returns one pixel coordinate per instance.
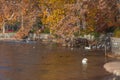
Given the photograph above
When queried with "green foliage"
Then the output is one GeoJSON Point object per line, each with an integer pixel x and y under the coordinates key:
{"type": "Point", "coordinates": [56, 36]}
{"type": "Point", "coordinates": [14, 26]}
{"type": "Point", "coordinates": [76, 34]}
{"type": "Point", "coordinates": [46, 30]}
{"type": "Point", "coordinates": [96, 34]}
{"type": "Point", "coordinates": [32, 31]}
{"type": "Point", "coordinates": [117, 32]}
{"type": "Point", "coordinates": [37, 25]}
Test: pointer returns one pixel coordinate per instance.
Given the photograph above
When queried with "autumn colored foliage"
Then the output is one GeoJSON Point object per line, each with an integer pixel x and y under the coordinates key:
{"type": "Point", "coordinates": [61, 17]}
{"type": "Point", "coordinates": [66, 17]}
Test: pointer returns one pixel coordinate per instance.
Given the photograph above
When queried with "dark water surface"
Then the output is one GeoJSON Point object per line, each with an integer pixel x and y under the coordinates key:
{"type": "Point", "coordinates": [22, 61]}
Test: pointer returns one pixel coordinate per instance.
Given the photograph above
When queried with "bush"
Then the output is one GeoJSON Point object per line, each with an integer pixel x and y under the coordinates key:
{"type": "Point", "coordinates": [46, 30]}
{"type": "Point", "coordinates": [117, 33]}
{"type": "Point", "coordinates": [76, 33]}
{"type": "Point", "coordinates": [96, 34]}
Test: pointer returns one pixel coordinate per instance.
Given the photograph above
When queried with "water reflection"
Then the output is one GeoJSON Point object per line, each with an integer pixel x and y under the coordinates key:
{"type": "Point", "coordinates": [47, 62]}
{"type": "Point", "coordinates": [84, 71]}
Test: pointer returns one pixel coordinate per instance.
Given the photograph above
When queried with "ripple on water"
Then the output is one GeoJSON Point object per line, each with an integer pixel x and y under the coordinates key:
{"type": "Point", "coordinates": [23, 62]}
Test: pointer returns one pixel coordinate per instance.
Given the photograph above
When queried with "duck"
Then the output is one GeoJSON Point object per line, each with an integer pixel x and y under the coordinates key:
{"type": "Point", "coordinates": [33, 47]}
{"type": "Point", "coordinates": [84, 61]}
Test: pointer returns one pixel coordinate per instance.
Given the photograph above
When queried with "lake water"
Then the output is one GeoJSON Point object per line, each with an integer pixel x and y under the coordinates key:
{"type": "Point", "coordinates": [36, 61]}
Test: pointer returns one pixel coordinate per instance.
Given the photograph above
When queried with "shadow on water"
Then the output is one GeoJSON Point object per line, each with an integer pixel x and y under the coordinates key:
{"type": "Point", "coordinates": [36, 61]}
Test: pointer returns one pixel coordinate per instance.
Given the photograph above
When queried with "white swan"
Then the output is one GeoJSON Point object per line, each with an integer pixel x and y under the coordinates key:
{"type": "Point", "coordinates": [88, 48]}
{"type": "Point", "coordinates": [84, 61]}
{"type": "Point", "coordinates": [33, 47]}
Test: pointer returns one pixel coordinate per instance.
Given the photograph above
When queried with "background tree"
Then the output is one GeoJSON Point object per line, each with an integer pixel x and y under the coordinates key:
{"type": "Point", "coordinates": [29, 12]}
{"type": "Point", "coordinates": [23, 11]}
{"type": "Point", "coordinates": [105, 14]}
{"type": "Point", "coordinates": [7, 13]}
{"type": "Point", "coordinates": [61, 17]}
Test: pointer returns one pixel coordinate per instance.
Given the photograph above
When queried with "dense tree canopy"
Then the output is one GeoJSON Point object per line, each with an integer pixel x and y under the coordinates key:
{"type": "Point", "coordinates": [66, 17]}
{"type": "Point", "coordinates": [23, 11]}
{"type": "Point", "coordinates": [61, 17]}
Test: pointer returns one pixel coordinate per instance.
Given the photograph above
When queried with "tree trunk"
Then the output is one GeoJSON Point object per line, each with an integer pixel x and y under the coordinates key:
{"type": "Point", "coordinates": [3, 28]}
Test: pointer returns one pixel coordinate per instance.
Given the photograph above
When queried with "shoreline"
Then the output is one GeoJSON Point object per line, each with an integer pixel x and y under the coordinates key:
{"type": "Point", "coordinates": [113, 67]}
{"type": "Point", "coordinates": [112, 55]}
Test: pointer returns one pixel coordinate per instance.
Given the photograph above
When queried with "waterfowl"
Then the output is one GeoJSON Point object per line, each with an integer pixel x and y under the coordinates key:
{"type": "Point", "coordinates": [84, 61]}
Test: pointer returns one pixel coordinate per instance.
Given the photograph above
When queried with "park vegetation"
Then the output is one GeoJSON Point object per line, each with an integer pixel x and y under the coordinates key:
{"type": "Point", "coordinates": [62, 18]}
